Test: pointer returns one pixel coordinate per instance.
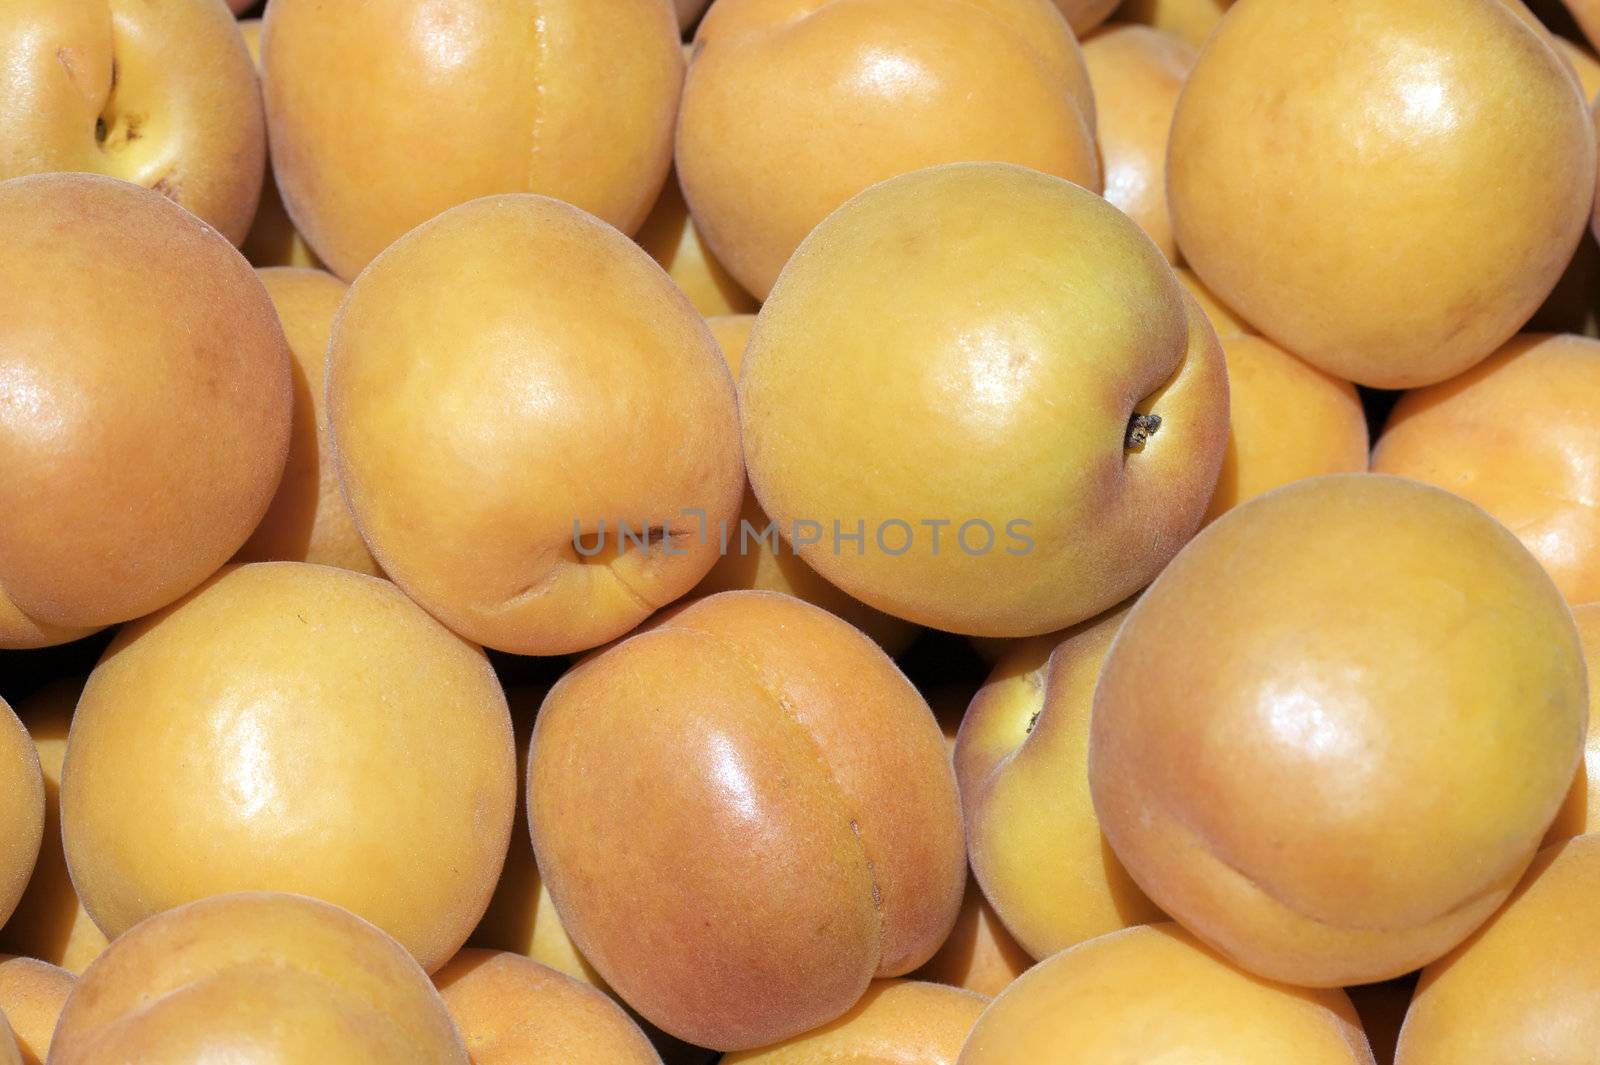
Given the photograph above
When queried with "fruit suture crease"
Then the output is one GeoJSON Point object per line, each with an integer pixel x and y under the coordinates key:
{"type": "Point", "coordinates": [954, 532]}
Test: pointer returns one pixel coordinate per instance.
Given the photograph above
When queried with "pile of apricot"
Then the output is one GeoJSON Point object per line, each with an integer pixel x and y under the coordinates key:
{"type": "Point", "coordinates": [800, 532]}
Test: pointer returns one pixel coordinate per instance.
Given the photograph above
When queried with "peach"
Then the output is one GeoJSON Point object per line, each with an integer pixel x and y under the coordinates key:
{"type": "Point", "coordinates": [783, 790]}
{"type": "Point", "coordinates": [21, 809]}
{"type": "Point", "coordinates": [1137, 74]}
{"type": "Point", "coordinates": [1156, 994]}
{"type": "Point", "coordinates": [383, 116]}
{"type": "Point", "coordinates": [790, 109]}
{"type": "Point", "coordinates": [49, 922]}
{"type": "Point", "coordinates": [511, 1010]}
{"type": "Point", "coordinates": [1287, 420]}
{"type": "Point", "coordinates": [755, 558]}
{"type": "Point", "coordinates": [32, 994]}
{"type": "Point", "coordinates": [672, 240]}
{"type": "Point", "coordinates": [1314, 747]}
{"type": "Point", "coordinates": [1022, 762]}
{"type": "Point", "coordinates": [144, 404]}
{"type": "Point", "coordinates": [308, 520]}
{"type": "Point", "coordinates": [1525, 987]}
{"type": "Point", "coordinates": [536, 457]}
{"type": "Point", "coordinates": [895, 1021]}
{"type": "Point", "coordinates": [1193, 20]}
{"type": "Point", "coordinates": [299, 728]}
{"type": "Point", "coordinates": [1000, 428]}
{"type": "Point", "coordinates": [272, 240]}
{"type": "Point", "coordinates": [521, 917]}
{"type": "Point", "coordinates": [1223, 318]}
{"type": "Point", "coordinates": [1386, 188]}
{"type": "Point", "coordinates": [1515, 434]}
{"type": "Point", "coordinates": [216, 980]}
{"type": "Point", "coordinates": [1580, 814]}
{"type": "Point", "coordinates": [161, 95]}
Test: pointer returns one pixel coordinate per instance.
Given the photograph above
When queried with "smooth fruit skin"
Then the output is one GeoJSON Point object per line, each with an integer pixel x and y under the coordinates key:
{"type": "Point", "coordinates": [555, 380]}
{"type": "Point", "coordinates": [21, 809]}
{"type": "Point", "coordinates": [983, 372]}
{"type": "Point", "coordinates": [49, 922]}
{"type": "Point", "coordinates": [161, 95]}
{"type": "Point", "coordinates": [1340, 810]}
{"type": "Point", "coordinates": [791, 107]}
{"type": "Point", "coordinates": [292, 728]}
{"type": "Point", "coordinates": [1518, 434]}
{"type": "Point", "coordinates": [1580, 814]}
{"type": "Point", "coordinates": [1287, 420]}
{"type": "Point", "coordinates": [895, 1021]}
{"type": "Point", "coordinates": [1223, 319]}
{"type": "Point", "coordinates": [1137, 73]}
{"type": "Point", "coordinates": [521, 918]}
{"type": "Point", "coordinates": [385, 115]}
{"type": "Point", "coordinates": [272, 240]}
{"type": "Point", "coordinates": [144, 404]}
{"type": "Point", "coordinates": [1525, 987]}
{"type": "Point", "coordinates": [308, 520]}
{"type": "Point", "coordinates": [753, 559]}
{"type": "Point", "coordinates": [1386, 188]}
{"type": "Point", "coordinates": [1085, 15]}
{"type": "Point", "coordinates": [1022, 759]}
{"type": "Point", "coordinates": [744, 813]}
{"type": "Point", "coordinates": [670, 236]}
{"type": "Point", "coordinates": [215, 980]}
{"type": "Point", "coordinates": [32, 994]}
{"type": "Point", "coordinates": [979, 954]}
{"type": "Point", "coordinates": [511, 1010]}
{"type": "Point", "coordinates": [1156, 994]}
{"type": "Point", "coordinates": [1193, 20]}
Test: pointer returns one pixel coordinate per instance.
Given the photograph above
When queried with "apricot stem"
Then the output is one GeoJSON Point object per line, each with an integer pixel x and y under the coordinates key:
{"type": "Point", "coordinates": [1140, 428]}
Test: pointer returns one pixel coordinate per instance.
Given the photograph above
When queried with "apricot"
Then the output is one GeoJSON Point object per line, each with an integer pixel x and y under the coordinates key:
{"type": "Point", "coordinates": [790, 109]}
{"type": "Point", "coordinates": [1516, 434]}
{"type": "Point", "coordinates": [307, 520]}
{"type": "Point", "coordinates": [1000, 428]}
{"type": "Point", "coordinates": [1580, 814]}
{"type": "Point", "coordinates": [292, 727]}
{"type": "Point", "coordinates": [148, 404]}
{"type": "Point", "coordinates": [160, 95]}
{"type": "Point", "coordinates": [1085, 15]}
{"type": "Point", "coordinates": [1137, 74]}
{"type": "Point", "coordinates": [1382, 1009]}
{"type": "Point", "coordinates": [1022, 762]}
{"type": "Point", "coordinates": [32, 994]}
{"type": "Point", "coordinates": [49, 922]}
{"type": "Point", "coordinates": [1155, 993]}
{"type": "Point", "coordinates": [785, 791]}
{"type": "Point", "coordinates": [511, 1010]}
{"type": "Point", "coordinates": [217, 979]}
{"type": "Point", "coordinates": [1193, 20]}
{"type": "Point", "coordinates": [1314, 747]}
{"type": "Point", "coordinates": [895, 1021]}
{"type": "Point", "coordinates": [10, 1049]}
{"type": "Point", "coordinates": [494, 439]}
{"type": "Point", "coordinates": [21, 809]}
{"type": "Point", "coordinates": [1386, 188]}
{"type": "Point", "coordinates": [521, 918]}
{"type": "Point", "coordinates": [1524, 988]}
{"type": "Point", "coordinates": [272, 240]}
{"type": "Point", "coordinates": [758, 556]}
{"type": "Point", "coordinates": [384, 116]}
{"type": "Point", "coordinates": [1287, 420]}
{"type": "Point", "coordinates": [672, 240]}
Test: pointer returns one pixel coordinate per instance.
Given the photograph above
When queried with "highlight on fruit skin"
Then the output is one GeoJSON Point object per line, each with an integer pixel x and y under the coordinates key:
{"type": "Point", "coordinates": [1259, 786]}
